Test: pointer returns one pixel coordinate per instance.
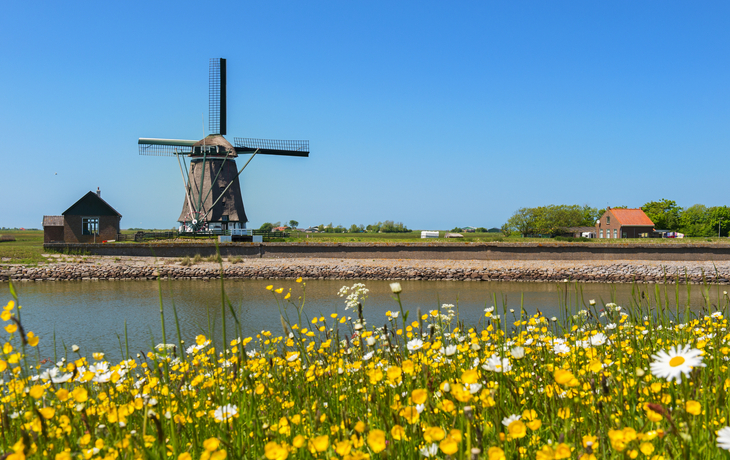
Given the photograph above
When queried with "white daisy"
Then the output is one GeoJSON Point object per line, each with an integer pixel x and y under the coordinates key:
{"type": "Point", "coordinates": [518, 352]}
{"type": "Point", "coordinates": [223, 413]}
{"type": "Point", "coordinates": [415, 344]}
{"type": "Point", "coordinates": [723, 438]}
{"type": "Point", "coordinates": [671, 365]}
{"type": "Point", "coordinates": [507, 421]}
{"type": "Point", "coordinates": [430, 451]}
{"type": "Point", "coordinates": [497, 364]}
{"type": "Point", "coordinates": [450, 350]}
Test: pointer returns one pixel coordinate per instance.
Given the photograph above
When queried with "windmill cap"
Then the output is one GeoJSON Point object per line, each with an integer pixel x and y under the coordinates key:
{"type": "Point", "coordinates": [216, 140]}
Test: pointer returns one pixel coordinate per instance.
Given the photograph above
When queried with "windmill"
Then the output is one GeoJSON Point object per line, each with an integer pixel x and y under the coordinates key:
{"type": "Point", "coordinates": [211, 179]}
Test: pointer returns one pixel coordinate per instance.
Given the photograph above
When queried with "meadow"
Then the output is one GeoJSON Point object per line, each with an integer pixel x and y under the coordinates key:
{"type": "Point", "coordinates": [648, 379]}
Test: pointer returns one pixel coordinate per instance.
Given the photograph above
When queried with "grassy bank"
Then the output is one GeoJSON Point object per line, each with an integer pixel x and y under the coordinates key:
{"type": "Point", "coordinates": [646, 379]}
{"type": "Point", "coordinates": [28, 245]}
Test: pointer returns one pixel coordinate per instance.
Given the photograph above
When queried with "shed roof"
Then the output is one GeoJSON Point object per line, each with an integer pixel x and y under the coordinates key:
{"type": "Point", "coordinates": [632, 217]}
{"type": "Point", "coordinates": [53, 221]}
{"type": "Point", "coordinates": [91, 204]}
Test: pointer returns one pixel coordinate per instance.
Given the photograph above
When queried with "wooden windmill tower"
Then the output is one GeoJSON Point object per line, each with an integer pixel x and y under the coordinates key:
{"type": "Point", "coordinates": [212, 189]}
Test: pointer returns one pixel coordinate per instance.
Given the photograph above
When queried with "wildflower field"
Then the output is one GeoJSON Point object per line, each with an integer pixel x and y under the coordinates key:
{"type": "Point", "coordinates": [601, 381]}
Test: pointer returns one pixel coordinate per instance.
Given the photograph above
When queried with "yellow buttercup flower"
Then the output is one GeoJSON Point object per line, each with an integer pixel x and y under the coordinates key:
{"type": "Point", "coordinates": [279, 290]}
{"type": "Point", "coordinates": [434, 433]}
{"type": "Point", "coordinates": [646, 448]}
{"type": "Point", "coordinates": [398, 432]}
{"type": "Point", "coordinates": [211, 444]}
{"type": "Point", "coordinates": [419, 396]}
{"type": "Point", "coordinates": [275, 451]}
{"type": "Point", "coordinates": [470, 376]}
{"type": "Point", "coordinates": [219, 455]}
{"type": "Point", "coordinates": [693, 407]}
{"type": "Point", "coordinates": [269, 287]}
{"type": "Point", "coordinates": [376, 440]}
{"type": "Point", "coordinates": [343, 447]}
{"type": "Point", "coordinates": [32, 339]}
{"type": "Point", "coordinates": [565, 377]}
{"type": "Point", "coordinates": [495, 453]}
{"type": "Point", "coordinates": [37, 391]}
{"type": "Point", "coordinates": [10, 328]}
{"type": "Point", "coordinates": [320, 443]}
{"type": "Point", "coordinates": [410, 414]}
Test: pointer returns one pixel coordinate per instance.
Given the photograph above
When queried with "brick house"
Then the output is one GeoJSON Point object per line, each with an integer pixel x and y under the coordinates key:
{"type": "Point", "coordinates": [89, 220]}
{"type": "Point", "coordinates": [624, 223]}
{"type": "Point", "coordinates": [52, 229]}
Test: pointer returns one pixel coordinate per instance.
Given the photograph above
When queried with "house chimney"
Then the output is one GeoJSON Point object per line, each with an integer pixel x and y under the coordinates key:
{"type": "Point", "coordinates": [98, 192]}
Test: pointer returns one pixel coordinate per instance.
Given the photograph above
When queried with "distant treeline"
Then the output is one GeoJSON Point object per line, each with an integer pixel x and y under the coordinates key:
{"type": "Point", "coordinates": [381, 227]}
{"type": "Point", "coordinates": [697, 220]}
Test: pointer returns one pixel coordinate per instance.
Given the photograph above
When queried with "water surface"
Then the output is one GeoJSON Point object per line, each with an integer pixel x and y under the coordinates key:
{"type": "Point", "coordinates": [93, 314]}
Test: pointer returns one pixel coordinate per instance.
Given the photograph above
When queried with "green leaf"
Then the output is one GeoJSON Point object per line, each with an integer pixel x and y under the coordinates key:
{"type": "Point", "coordinates": [12, 290]}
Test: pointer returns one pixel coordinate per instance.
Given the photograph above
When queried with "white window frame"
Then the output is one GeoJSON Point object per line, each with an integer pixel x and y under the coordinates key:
{"type": "Point", "coordinates": [90, 225]}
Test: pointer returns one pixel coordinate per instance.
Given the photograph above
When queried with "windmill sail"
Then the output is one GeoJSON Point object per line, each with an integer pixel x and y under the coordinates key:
{"type": "Point", "coordinates": [165, 147]}
{"type": "Point", "coordinates": [271, 147]}
{"type": "Point", "coordinates": [217, 96]}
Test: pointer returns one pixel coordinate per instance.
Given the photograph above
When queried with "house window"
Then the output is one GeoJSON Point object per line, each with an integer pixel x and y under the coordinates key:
{"type": "Point", "coordinates": [90, 225]}
{"type": "Point", "coordinates": [224, 218]}
{"type": "Point", "coordinates": [608, 220]}
{"type": "Point", "coordinates": [601, 233]}
{"type": "Point", "coordinates": [623, 235]}
{"type": "Point", "coordinates": [615, 233]}
{"type": "Point", "coordinates": [608, 233]}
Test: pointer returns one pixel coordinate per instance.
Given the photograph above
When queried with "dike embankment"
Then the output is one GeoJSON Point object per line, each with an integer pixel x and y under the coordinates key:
{"type": "Point", "coordinates": [664, 251]}
{"type": "Point", "coordinates": [104, 268]}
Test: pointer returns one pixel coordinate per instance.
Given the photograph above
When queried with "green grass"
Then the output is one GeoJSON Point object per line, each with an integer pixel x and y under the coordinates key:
{"type": "Point", "coordinates": [26, 249]}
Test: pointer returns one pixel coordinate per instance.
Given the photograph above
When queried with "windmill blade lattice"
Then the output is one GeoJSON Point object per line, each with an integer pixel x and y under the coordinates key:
{"type": "Point", "coordinates": [157, 150]}
{"type": "Point", "coordinates": [217, 96]}
{"type": "Point", "coordinates": [271, 146]}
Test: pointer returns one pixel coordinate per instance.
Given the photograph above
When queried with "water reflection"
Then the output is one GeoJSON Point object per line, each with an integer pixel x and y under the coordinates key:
{"type": "Point", "coordinates": [93, 314]}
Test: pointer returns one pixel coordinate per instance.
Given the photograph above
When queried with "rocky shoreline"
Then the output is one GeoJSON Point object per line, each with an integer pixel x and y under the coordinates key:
{"type": "Point", "coordinates": [438, 270]}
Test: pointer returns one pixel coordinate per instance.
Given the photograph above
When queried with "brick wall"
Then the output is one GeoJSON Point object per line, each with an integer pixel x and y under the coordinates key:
{"type": "Point", "coordinates": [449, 251]}
{"type": "Point", "coordinates": [73, 233]}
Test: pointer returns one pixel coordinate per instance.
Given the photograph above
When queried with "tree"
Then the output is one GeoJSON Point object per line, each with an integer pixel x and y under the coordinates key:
{"type": "Point", "coordinates": [550, 220]}
{"type": "Point", "coordinates": [719, 220]}
{"type": "Point", "coordinates": [523, 221]}
{"type": "Point", "coordinates": [354, 229]}
{"type": "Point", "coordinates": [266, 227]}
{"type": "Point", "coordinates": [293, 223]}
{"type": "Point", "coordinates": [695, 221]}
{"type": "Point", "coordinates": [665, 214]}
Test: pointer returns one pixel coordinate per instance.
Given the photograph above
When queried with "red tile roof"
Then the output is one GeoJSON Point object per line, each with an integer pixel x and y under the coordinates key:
{"type": "Point", "coordinates": [632, 217]}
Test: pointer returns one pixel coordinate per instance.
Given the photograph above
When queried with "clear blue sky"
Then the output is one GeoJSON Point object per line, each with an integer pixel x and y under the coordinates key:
{"type": "Point", "coordinates": [436, 114]}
